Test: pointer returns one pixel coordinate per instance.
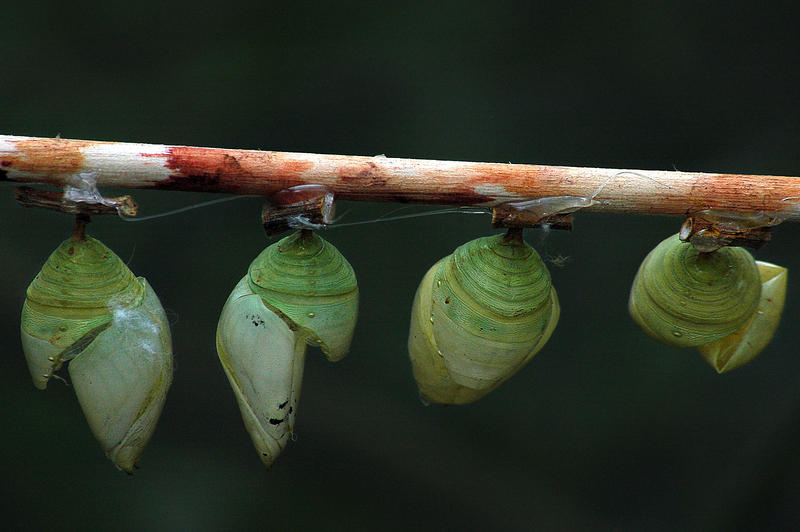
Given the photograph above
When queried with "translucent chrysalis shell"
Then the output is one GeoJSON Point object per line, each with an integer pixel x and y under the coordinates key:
{"type": "Point", "coordinates": [298, 291]}
{"type": "Point", "coordinates": [86, 307]}
{"type": "Point", "coordinates": [724, 303]}
{"type": "Point", "coordinates": [479, 315]}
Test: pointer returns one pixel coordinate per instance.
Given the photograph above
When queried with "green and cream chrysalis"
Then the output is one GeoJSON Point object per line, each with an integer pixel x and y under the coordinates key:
{"type": "Point", "coordinates": [87, 308]}
{"type": "Point", "coordinates": [298, 291]}
{"type": "Point", "coordinates": [723, 302]}
{"type": "Point", "coordinates": [479, 315]}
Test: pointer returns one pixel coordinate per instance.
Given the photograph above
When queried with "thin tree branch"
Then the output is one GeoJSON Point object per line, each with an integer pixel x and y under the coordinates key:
{"type": "Point", "coordinates": [379, 178]}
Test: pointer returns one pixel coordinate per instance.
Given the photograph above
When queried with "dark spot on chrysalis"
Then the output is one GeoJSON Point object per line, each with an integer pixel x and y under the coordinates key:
{"type": "Point", "coordinates": [256, 319]}
{"type": "Point", "coordinates": [447, 300]}
{"type": "Point", "coordinates": [283, 404]}
{"type": "Point", "coordinates": [274, 421]}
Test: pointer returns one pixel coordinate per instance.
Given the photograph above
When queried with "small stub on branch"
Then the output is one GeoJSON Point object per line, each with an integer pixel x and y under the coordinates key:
{"type": "Point", "coordinates": [62, 202]}
{"type": "Point", "coordinates": [510, 216]}
{"type": "Point", "coordinates": [300, 207]}
{"type": "Point", "coordinates": [710, 230]}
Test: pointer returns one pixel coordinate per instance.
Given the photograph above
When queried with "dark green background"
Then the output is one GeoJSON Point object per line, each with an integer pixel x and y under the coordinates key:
{"type": "Point", "coordinates": [605, 429]}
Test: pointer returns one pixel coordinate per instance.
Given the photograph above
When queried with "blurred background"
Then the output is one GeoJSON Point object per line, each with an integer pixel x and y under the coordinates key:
{"type": "Point", "coordinates": [604, 429]}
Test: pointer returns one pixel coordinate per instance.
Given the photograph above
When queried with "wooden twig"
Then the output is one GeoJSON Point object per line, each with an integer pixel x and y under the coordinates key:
{"type": "Point", "coordinates": [379, 178]}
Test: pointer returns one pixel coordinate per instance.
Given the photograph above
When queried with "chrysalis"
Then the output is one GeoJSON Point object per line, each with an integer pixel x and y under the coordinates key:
{"type": "Point", "coordinates": [723, 302]}
{"type": "Point", "coordinates": [87, 308]}
{"type": "Point", "coordinates": [479, 315]}
{"type": "Point", "coordinates": [298, 291]}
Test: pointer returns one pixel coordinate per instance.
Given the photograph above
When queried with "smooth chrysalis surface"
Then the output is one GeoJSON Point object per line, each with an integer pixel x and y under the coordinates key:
{"type": "Point", "coordinates": [742, 346]}
{"type": "Point", "coordinates": [263, 360]}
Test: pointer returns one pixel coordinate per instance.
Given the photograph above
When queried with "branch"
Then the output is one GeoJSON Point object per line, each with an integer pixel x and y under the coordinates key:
{"type": "Point", "coordinates": [380, 178]}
